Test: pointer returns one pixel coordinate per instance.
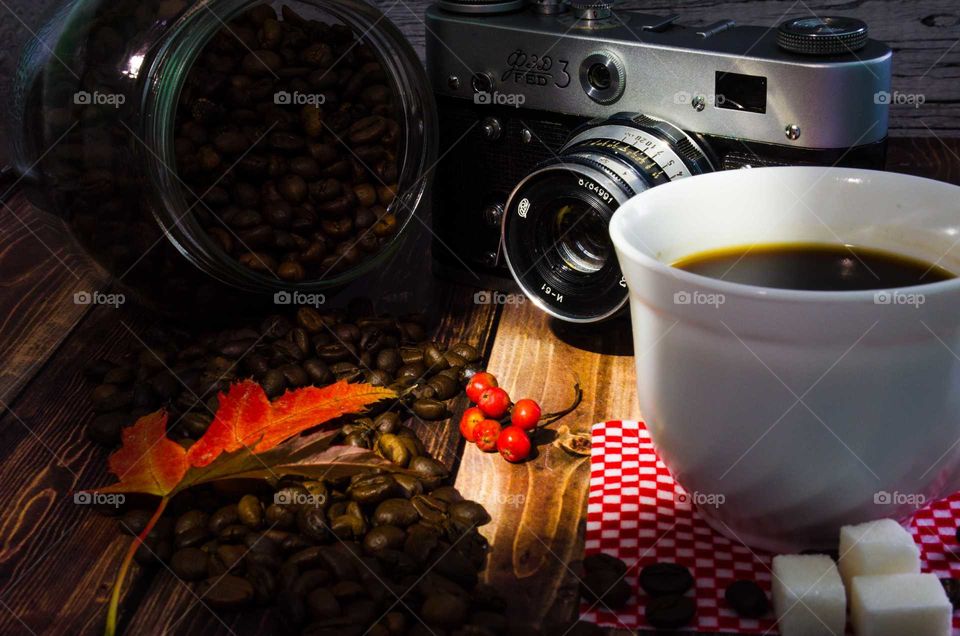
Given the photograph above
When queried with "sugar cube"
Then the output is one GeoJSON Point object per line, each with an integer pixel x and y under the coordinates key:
{"type": "Point", "coordinates": [808, 596]}
{"type": "Point", "coordinates": [899, 604]}
{"type": "Point", "coordinates": [877, 547]}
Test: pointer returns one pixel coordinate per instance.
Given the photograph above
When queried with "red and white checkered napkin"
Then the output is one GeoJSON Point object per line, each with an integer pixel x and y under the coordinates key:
{"type": "Point", "coordinates": [637, 513]}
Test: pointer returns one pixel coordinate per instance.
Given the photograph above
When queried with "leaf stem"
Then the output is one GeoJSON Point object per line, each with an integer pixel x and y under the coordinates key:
{"type": "Point", "coordinates": [113, 610]}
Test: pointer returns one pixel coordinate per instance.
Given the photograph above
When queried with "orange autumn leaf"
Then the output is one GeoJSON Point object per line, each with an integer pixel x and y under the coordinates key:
{"type": "Point", "coordinates": [247, 419]}
{"type": "Point", "coordinates": [148, 462]}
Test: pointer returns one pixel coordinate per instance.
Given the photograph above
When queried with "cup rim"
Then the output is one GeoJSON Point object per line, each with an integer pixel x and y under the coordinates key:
{"type": "Point", "coordinates": [625, 246]}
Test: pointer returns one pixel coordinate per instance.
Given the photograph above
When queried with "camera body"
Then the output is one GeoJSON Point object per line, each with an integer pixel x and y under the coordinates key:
{"type": "Point", "coordinates": [515, 82]}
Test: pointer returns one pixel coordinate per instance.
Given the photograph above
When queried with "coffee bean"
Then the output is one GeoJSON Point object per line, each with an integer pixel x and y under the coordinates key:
{"type": "Point", "coordinates": [466, 351]}
{"type": "Point", "coordinates": [952, 588]}
{"type": "Point", "coordinates": [373, 489]}
{"type": "Point", "coordinates": [605, 587]}
{"type": "Point", "coordinates": [226, 592]}
{"type": "Point", "coordinates": [384, 537]}
{"type": "Point", "coordinates": [661, 579]}
{"type": "Point", "coordinates": [395, 512]}
{"type": "Point", "coordinates": [250, 511]}
{"type": "Point", "coordinates": [469, 514]}
{"type": "Point", "coordinates": [429, 409]}
{"type": "Point", "coordinates": [273, 383]}
{"type": "Point", "coordinates": [190, 564]}
{"type": "Point", "coordinates": [602, 561]}
{"type": "Point", "coordinates": [747, 599]}
{"type": "Point", "coordinates": [444, 610]}
{"type": "Point", "coordinates": [670, 612]}
{"type": "Point", "coordinates": [321, 603]}
{"type": "Point", "coordinates": [222, 518]}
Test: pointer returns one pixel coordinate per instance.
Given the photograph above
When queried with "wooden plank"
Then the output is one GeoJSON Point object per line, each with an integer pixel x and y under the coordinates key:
{"type": "Point", "coordinates": [923, 35]}
{"type": "Point", "coordinates": [537, 507]}
{"type": "Point", "coordinates": [58, 559]}
{"type": "Point", "coordinates": [42, 270]}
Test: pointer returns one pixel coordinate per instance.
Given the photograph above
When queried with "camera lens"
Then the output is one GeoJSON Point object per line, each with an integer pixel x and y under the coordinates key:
{"type": "Point", "coordinates": [599, 77]}
{"type": "Point", "coordinates": [580, 234]}
{"type": "Point", "coordinates": [555, 233]}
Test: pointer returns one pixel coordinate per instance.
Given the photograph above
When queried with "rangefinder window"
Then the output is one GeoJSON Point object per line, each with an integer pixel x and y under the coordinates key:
{"type": "Point", "coordinates": [736, 91]}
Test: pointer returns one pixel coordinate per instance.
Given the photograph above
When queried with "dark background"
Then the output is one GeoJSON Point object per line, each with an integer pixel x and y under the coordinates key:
{"type": "Point", "coordinates": [924, 34]}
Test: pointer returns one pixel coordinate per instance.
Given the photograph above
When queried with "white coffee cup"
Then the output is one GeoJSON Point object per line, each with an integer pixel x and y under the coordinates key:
{"type": "Point", "coordinates": [799, 411]}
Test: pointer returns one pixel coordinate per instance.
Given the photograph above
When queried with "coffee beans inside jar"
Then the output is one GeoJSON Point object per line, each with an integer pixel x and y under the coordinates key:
{"type": "Point", "coordinates": [289, 129]}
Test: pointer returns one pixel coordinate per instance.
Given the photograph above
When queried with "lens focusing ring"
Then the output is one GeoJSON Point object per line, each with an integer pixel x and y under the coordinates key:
{"type": "Point", "coordinates": [555, 235]}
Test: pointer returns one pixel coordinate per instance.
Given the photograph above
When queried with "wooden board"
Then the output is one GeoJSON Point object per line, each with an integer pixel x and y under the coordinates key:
{"type": "Point", "coordinates": [41, 274]}
{"type": "Point", "coordinates": [538, 507]}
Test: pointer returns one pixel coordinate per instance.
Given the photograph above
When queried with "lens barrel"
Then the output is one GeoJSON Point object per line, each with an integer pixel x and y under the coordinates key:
{"type": "Point", "coordinates": [555, 234]}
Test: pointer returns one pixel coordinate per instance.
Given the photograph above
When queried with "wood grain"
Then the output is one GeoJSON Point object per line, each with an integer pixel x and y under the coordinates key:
{"type": "Point", "coordinates": [41, 273]}
{"type": "Point", "coordinates": [537, 507]}
{"type": "Point", "coordinates": [58, 558]}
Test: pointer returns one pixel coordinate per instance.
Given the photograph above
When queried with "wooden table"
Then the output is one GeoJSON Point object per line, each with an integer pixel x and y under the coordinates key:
{"type": "Point", "coordinates": [58, 560]}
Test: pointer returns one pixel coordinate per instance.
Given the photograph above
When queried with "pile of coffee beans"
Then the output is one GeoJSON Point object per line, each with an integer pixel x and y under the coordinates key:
{"type": "Point", "coordinates": [184, 373]}
{"type": "Point", "coordinates": [332, 557]}
{"type": "Point", "coordinates": [290, 128]}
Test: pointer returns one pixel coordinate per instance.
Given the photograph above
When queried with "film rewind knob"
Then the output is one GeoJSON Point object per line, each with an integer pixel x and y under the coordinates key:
{"type": "Point", "coordinates": [591, 9]}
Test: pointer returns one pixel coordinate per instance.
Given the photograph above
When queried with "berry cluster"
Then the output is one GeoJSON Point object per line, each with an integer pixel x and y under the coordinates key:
{"type": "Point", "coordinates": [486, 423]}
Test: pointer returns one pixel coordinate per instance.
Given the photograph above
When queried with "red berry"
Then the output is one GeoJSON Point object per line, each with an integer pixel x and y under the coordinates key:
{"type": "Point", "coordinates": [494, 402]}
{"type": "Point", "coordinates": [514, 444]}
{"type": "Point", "coordinates": [487, 433]}
{"type": "Point", "coordinates": [468, 423]}
{"type": "Point", "coordinates": [526, 414]}
{"type": "Point", "coordinates": [479, 383]}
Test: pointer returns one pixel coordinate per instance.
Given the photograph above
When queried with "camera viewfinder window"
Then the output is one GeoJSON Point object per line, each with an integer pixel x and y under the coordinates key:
{"type": "Point", "coordinates": [735, 91]}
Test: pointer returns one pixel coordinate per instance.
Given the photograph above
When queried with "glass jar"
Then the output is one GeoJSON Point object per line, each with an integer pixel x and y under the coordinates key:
{"type": "Point", "coordinates": [226, 150]}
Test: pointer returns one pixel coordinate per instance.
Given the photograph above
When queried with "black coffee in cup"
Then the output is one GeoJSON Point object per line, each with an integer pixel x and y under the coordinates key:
{"type": "Point", "coordinates": [819, 267]}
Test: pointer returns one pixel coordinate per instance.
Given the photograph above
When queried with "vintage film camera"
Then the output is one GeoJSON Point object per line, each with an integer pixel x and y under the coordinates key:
{"type": "Point", "coordinates": [553, 114]}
